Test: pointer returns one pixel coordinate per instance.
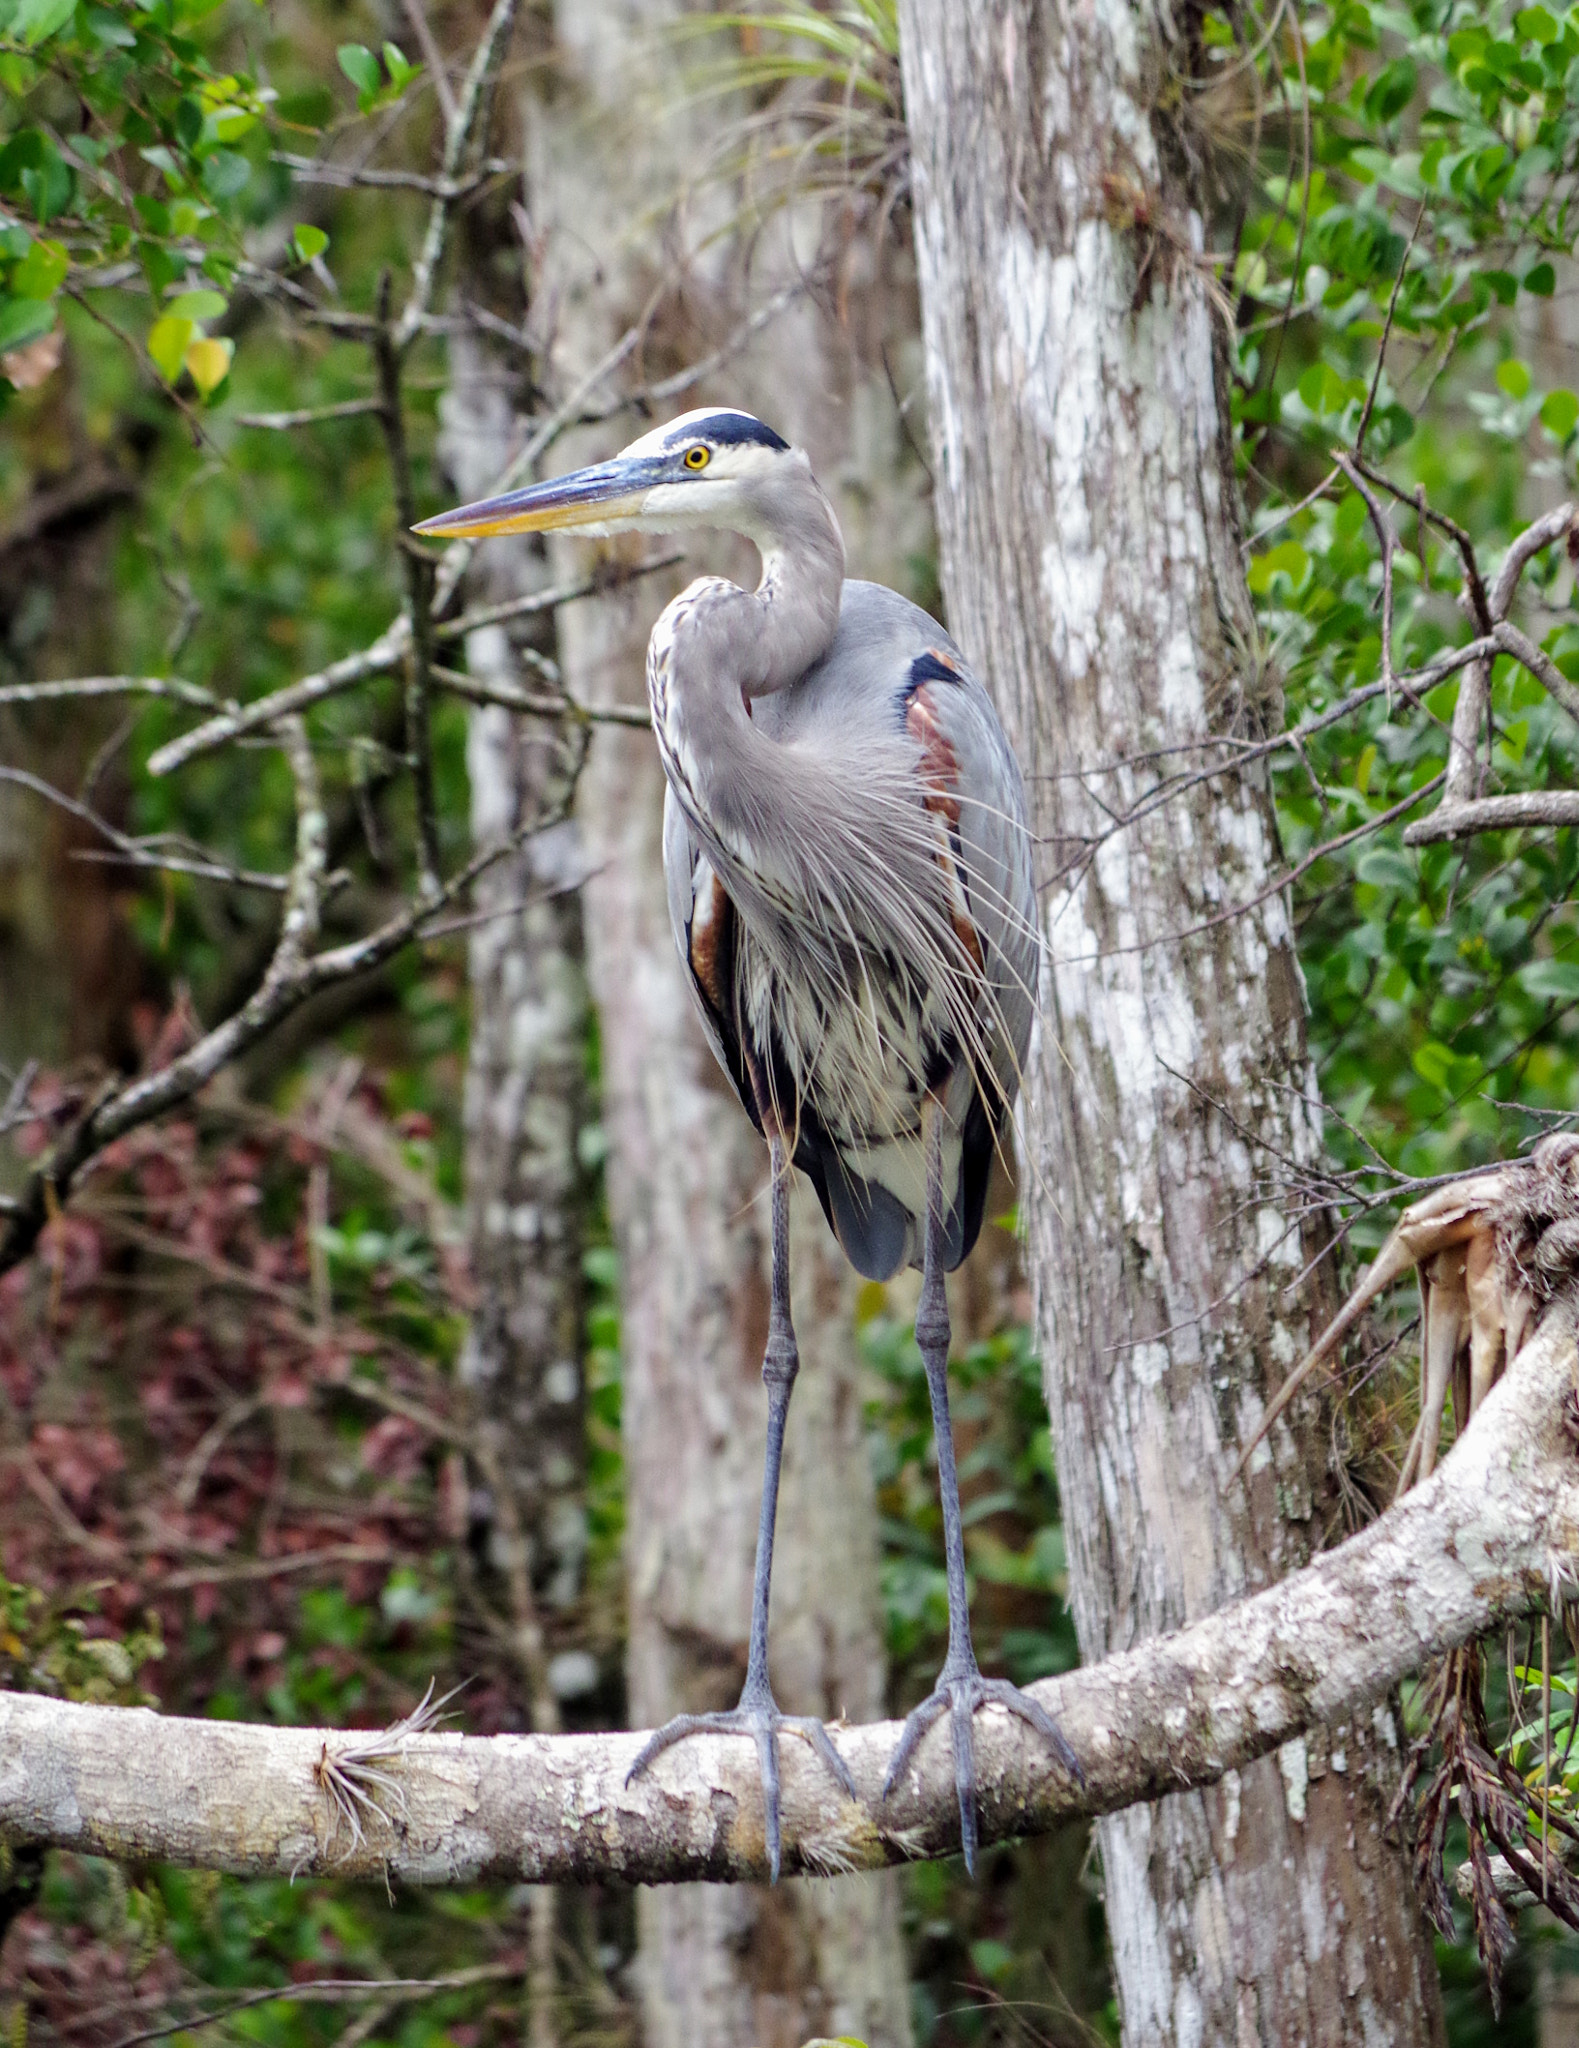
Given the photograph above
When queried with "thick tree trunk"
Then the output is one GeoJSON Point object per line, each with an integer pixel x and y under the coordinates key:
{"type": "Point", "coordinates": [525, 1099]}
{"type": "Point", "coordinates": [1092, 559]}
{"type": "Point", "coordinates": [687, 1174]}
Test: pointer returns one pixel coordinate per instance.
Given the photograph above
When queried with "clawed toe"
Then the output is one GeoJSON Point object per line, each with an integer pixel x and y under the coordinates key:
{"type": "Point", "coordinates": [959, 1694]}
{"type": "Point", "coordinates": [762, 1721]}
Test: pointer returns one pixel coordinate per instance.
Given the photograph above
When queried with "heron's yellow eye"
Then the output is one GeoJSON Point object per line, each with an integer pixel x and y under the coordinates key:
{"type": "Point", "coordinates": [697, 458]}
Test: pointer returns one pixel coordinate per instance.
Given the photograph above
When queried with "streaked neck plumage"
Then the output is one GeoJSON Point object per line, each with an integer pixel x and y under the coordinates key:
{"type": "Point", "coordinates": [718, 646]}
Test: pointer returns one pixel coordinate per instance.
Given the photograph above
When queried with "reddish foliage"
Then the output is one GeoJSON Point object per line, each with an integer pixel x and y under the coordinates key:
{"type": "Point", "coordinates": [180, 1404]}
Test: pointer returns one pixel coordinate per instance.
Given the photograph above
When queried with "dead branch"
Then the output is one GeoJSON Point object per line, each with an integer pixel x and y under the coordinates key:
{"type": "Point", "coordinates": [1478, 1543]}
{"type": "Point", "coordinates": [294, 974]}
{"type": "Point", "coordinates": [1495, 814]}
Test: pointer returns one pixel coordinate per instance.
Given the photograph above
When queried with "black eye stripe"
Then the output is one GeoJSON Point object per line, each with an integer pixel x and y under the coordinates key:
{"type": "Point", "coordinates": [733, 429]}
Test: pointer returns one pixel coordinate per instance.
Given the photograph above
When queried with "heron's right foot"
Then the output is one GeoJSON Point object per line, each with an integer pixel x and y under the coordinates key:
{"type": "Point", "coordinates": [757, 1716]}
{"type": "Point", "coordinates": [959, 1692]}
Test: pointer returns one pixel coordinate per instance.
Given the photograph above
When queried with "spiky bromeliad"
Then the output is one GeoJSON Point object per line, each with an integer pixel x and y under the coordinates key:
{"type": "Point", "coordinates": [849, 881]}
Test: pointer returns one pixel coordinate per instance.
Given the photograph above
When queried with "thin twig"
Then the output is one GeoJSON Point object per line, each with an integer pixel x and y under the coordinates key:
{"type": "Point", "coordinates": [418, 567]}
{"type": "Point", "coordinates": [457, 141]}
{"type": "Point", "coordinates": [310, 170]}
{"type": "Point", "coordinates": [310, 415]}
{"type": "Point", "coordinates": [171, 687]}
{"type": "Point", "coordinates": [433, 57]}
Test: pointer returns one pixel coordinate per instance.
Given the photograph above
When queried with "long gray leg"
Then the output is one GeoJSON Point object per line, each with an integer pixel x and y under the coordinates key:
{"type": "Point", "coordinates": [757, 1714]}
{"type": "Point", "coordinates": [960, 1689]}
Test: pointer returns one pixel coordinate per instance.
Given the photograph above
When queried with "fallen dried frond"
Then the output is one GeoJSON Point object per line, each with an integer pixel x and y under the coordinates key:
{"type": "Point", "coordinates": [1491, 1253]}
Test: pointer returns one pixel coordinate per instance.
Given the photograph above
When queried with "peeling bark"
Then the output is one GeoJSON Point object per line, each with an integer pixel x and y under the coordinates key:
{"type": "Point", "coordinates": [1478, 1544]}
{"type": "Point", "coordinates": [1091, 555]}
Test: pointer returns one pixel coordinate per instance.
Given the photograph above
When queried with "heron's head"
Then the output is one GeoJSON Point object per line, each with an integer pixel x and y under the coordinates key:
{"type": "Point", "coordinates": [711, 467]}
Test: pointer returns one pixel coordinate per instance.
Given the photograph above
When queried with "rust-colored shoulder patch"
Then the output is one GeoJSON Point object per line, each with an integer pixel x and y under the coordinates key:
{"type": "Point", "coordinates": [712, 942]}
{"type": "Point", "coordinates": [939, 762]}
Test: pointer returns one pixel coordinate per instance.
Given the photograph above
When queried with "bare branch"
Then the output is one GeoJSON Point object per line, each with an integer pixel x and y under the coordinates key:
{"type": "Point", "coordinates": [612, 578]}
{"type": "Point", "coordinates": [387, 652]}
{"type": "Point", "coordinates": [457, 141]}
{"type": "Point", "coordinates": [530, 705]}
{"type": "Point", "coordinates": [433, 57]}
{"type": "Point", "coordinates": [113, 686]}
{"type": "Point", "coordinates": [310, 415]}
{"type": "Point", "coordinates": [418, 566]}
{"type": "Point", "coordinates": [138, 853]}
{"type": "Point", "coordinates": [1554, 526]}
{"type": "Point", "coordinates": [291, 978]}
{"type": "Point", "coordinates": [311, 170]}
{"type": "Point", "coordinates": [1482, 1541]}
{"type": "Point", "coordinates": [1554, 807]}
{"type": "Point", "coordinates": [1540, 665]}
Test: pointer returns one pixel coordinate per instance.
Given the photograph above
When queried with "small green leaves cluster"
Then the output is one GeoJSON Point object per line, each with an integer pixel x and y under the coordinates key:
{"type": "Point", "coordinates": [121, 145]}
{"type": "Point", "coordinates": [132, 159]}
{"type": "Point", "coordinates": [373, 90]}
{"type": "Point", "coordinates": [1414, 206]}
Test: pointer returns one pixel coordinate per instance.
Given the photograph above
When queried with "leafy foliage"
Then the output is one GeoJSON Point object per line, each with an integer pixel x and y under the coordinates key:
{"type": "Point", "coordinates": [1417, 200]}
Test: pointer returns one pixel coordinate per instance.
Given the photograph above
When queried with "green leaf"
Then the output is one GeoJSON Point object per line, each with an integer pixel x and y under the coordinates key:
{"type": "Point", "coordinates": [1558, 980]}
{"type": "Point", "coordinates": [309, 241]}
{"type": "Point", "coordinates": [360, 66]}
{"type": "Point", "coordinates": [1536, 25]}
{"type": "Point", "coordinates": [1542, 280]}
{"type": "Point", "coordinates": [108, 29]}
{"type": "Point", "coordinates": [225, 174]}
{"type": "Point", "coordinates": [1560, 413]}
{"type": "Point", "coordinates": [401, 73]}
{"type": "Point", "coordinates": [1434, 1062]}
{"type": "Point", "coordinates": [168, 342]}
{"type": "Point", "coordinates": [39, 274]}
{"type": "Point", "coordinates": [1288, 557]}
{"type": "Point", "coordinates": [1514, 377]}
{"type": "Point", "coordinates": [36, 21]}
{"type": "Point", "coordinates": [196, 306]}
{"type": "Point", "coordinates": [24, 320]}
{"type": "Point", "coordinates": [1391, 90]}
{"type": "Point", "coordinates": [1384, 867]}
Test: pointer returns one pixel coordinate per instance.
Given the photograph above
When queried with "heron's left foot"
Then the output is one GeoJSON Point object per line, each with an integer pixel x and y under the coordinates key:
{"type": "Point", "coordinates": [960, 1690]}
{"type": "Point", "coordinates": [757, 1716]}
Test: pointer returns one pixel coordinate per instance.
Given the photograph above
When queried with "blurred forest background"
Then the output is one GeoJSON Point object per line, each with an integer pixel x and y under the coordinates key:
{"type": "Point", "coordinates": [414, 1340]}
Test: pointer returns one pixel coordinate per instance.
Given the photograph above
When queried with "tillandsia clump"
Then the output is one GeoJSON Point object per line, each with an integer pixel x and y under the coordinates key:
{"type": "Point", "coordinates": [1493, 1253]}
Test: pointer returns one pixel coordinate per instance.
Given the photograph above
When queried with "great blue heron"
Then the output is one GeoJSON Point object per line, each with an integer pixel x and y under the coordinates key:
{"type": "Point", "coordinates": [849, 881]}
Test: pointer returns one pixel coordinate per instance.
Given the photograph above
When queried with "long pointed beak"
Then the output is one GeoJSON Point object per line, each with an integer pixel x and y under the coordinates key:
{"type": "Point", "coordinates": [608, 494]}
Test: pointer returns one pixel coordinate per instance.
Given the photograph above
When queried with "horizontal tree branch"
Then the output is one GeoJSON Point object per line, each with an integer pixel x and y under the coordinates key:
{"type": "Point", "coordinates": [1495, 814]}
{"type": "Point", "coordinates": [1485, 1539]}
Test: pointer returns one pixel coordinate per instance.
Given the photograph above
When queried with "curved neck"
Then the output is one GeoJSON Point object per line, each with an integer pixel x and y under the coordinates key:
{"type": "Point", "coordinates": [795, 532]}
{"type": "Point", "coordinates": [717, 647]}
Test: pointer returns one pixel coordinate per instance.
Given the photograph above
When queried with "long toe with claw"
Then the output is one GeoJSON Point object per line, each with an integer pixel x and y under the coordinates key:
{"type": "Point", "coordinates": [757, 1716]}
{"type": "Point", "coordinates": [960, 1690]}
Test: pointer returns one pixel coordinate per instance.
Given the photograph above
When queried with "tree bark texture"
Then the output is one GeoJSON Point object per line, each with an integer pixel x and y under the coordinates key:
{"type": "Point", "coordinates": [1091, 554]}
{"type": "Point", "coordinates": [1478, 1545]}
{"type": "Point", "coordinates": [687, 1175]}
{"type": "Point", "coordinates": [525, 1103]}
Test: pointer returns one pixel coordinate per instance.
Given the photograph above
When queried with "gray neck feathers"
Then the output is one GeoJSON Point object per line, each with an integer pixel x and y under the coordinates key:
{"type": "Point", "coordinates": [802, 550]}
